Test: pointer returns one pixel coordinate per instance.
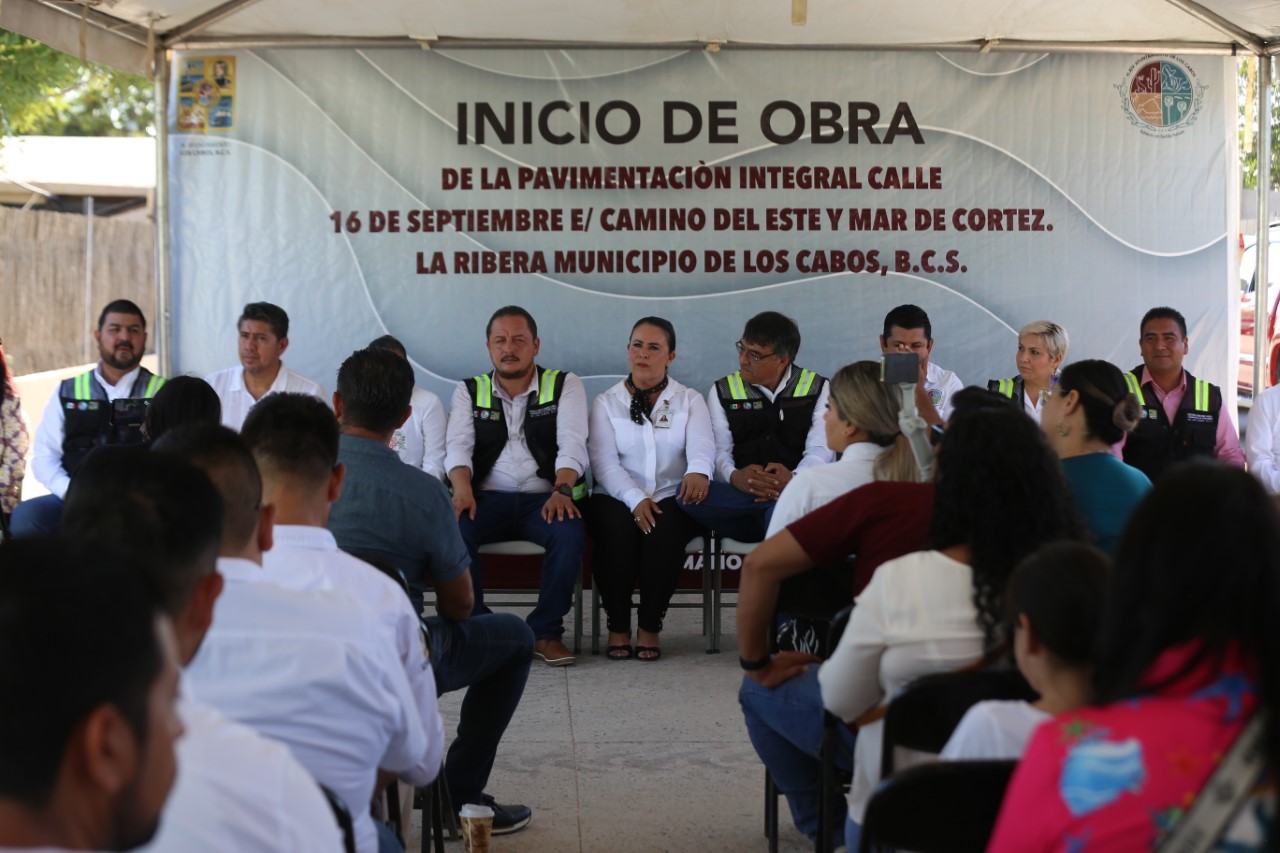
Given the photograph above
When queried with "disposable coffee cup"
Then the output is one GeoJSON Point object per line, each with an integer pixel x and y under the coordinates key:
{"type": "Point", "coordinates": [477, 827]}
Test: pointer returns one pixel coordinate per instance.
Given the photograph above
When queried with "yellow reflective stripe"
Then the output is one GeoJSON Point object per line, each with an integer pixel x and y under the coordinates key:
{"type": "Point", "coordinates": [1135, 388]}
{"type": "Point", "coordinates": [1006, 388]}
{"type": "Point", "coordinates": [737, 390]}
{"type": "Point", "coordinates": [547, 387]}
{"type": "Point", "coordinates": [82, 388]}
{"type": "Point", "coordinates": [806, 382]}
{"type": "Point", "coordinates": [579, 491]}
{"type": "Point", "coordinates": [1202, 396]}
{"type": "Point", "coordinates": [484, 391]}
{"type": "Point", "coordinates": [153, 385]}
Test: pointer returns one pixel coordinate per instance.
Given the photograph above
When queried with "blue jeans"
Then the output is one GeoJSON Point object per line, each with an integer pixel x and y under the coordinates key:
{"type": "Point", "coordinates": [490, 656]}
{"type": "Point", "coordinates": [732, 513]}
{"type": "Point", "coordinates": [36, 516]}
{"type": "Point", "coordinates": [785, 726]}
{"type": "Point", "coordinates": [852, 835]}
{"type": "Point", "coordinates": [387, 841]}
{"type": "Point", "coordinates": [501, 516]}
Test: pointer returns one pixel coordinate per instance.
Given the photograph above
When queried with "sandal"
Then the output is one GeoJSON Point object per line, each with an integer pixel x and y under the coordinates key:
{"type": "Point", "coordinates": [618, 652]}
{"type": "Point", "coordinates": [655, 650]}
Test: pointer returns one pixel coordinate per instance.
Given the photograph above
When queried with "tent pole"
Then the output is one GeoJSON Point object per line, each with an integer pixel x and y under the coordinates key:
{"type": "Point", "coordinates": [1261, 301]}
{"type": "Point", "coordinates": [164, 340]}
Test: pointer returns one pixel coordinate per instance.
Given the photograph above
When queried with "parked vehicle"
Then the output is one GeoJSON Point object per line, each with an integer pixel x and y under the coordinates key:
{"type": "Point", "coordinates": [1248, 311]}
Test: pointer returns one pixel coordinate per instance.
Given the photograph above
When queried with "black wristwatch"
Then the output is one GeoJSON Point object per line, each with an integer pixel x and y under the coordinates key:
{"type": "Point", "coordinates": [754, 665]}
{"type": "Point", "coordinates": [566, 490]}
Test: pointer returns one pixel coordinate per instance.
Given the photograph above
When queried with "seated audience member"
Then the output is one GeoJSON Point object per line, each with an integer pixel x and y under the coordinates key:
{"type": "Point", "coordinates": [907, 329]}
{"type": "Point", "coordinates": [650, 443]}
{"type": "Point", "coordinates": [316, 670]}
{"type": "Point", "coordinates": [1090, 410]}
{"type": "Point", "coordinates": [264, 336]}
{"type": "Point", "coordinates": [1042, 346]}
{"type": "Point", "coordinates": [236, 790]}
{"type": "Point", "coordinates": [393, 512]}
{"type": "Point", "coordinates": [861, 422]}
{"type": "Point", "coordinates": [767, 422]}
{"type": "Point", "coordinates": [182, 400]}
{"type": "Point", "coordinates": [1262, 439]}
{"type": "Point", "coordinates": [420, 441]}
{"type": "Point", "coordinates": [87, 722]}
{"type": "Point", "coordinates": [1181, 416]}
{"type": "Point", "coordinates": [1187, 667]}
{"type": "Point", "coordinates": [1053, 607]}
{"type": "Point", "coordinates": [516, 457]}
{"type": "Point", "coordinates": [294, 439]}
{"type": "Point", "coordinates": [14, 443]}
{"type": "Point", "coordinates": [81, 415]}
{"type": "Point", "coordinates": [999, 496]}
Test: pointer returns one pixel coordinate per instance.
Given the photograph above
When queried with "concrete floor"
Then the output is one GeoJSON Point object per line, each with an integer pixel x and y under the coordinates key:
{"type": "Point", "coordinates": [625, 756]}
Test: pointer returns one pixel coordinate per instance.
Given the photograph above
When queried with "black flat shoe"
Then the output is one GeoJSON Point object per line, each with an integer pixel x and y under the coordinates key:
{"type": "Point", "coordinates": [657, 653]}
{"type": "Point", "coordinates": [617, 652]}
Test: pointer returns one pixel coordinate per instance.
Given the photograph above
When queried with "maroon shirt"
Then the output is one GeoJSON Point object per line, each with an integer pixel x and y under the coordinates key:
{"type": "Point", "coordinates": [877, 522]}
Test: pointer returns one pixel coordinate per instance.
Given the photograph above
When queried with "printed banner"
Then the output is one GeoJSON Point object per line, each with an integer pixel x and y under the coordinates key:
{"type": "Point", "coordinates": [413, 192]}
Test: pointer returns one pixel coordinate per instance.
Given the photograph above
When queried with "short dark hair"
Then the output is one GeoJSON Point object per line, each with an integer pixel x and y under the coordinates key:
{"type": "Point", "coordinates": [264, 312]}
{"type": "Point", "coordinates": [121, 306]}
{"type": "Point", "coordinates": [1062, 589]}
{"type": "Point", "coordinates": [1110, 410]}
{"type": "Point", "coordinates": [665, 325]}
{"type": "Point", "coordinates": [908, 317]}
{"type": "Point", "coordinates": [391, 343]}
{"type": "Point", "coordinates": [1163, 312]}
{"type": "Point", "coordinates": [164, 511]}
{"type": "Point", "coordinates": [512, 311]}
{"type": "Point", "coordinates": [294, 435]}
{"type": "Point", "coordinates": [222, 455]}
{"type": "Point", "coordinates": [182, 400]}
{"type": "Point", "coordinates": [77, 631]}
{"type": "Point", "coordinates": [375, 386]}
{"type": "Point", "coordinates": [776, 331]}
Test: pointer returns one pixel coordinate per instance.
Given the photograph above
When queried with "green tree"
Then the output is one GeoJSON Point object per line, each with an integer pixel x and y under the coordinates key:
{"type": "Point", "coordinates": [49, 93]}
{"type": "Point", "coordinates": [1248, 101]}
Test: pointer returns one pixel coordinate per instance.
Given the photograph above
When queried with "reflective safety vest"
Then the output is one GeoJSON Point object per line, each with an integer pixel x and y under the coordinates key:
{"type": "Point", "coordinates": [1011, 388]}
{"type": "Point", "coordinates": [91, 420]}
{"type": "Point", "coordinates": [539, 426]}
{"type": "Point", "coordinates": [767, 431]}
{"type": "Point", "coordinates": [1156, 444]}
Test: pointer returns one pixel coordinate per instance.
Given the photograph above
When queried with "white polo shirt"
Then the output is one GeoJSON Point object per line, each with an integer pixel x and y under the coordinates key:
{"type": "Point", "coordinates": [317, 672]}
{"type": "Point", "coordinates": [420, 442]}
{"type": "Point", "coordinates": [237, 401]}
{"type": "Point", "coordinates": [307, 559]}
{"type": "Point", "coordinates": [237, 790]}
{"type": "Point", "coordinates": [821, 484]}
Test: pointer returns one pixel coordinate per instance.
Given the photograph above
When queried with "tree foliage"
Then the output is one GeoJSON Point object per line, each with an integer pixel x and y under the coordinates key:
{"type": "Point", "coordinates": [1248, 101]}
{"type": "Point", "coordinates": [46, 92]}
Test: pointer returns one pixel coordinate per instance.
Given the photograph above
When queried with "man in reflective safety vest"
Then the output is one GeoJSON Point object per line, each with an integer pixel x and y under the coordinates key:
{"type": "Point", "coordinates": [102, 406]}
{"type": "Point", "coordinates": [1182, 416]}
{"type": "Point", "coordinates": [767, 420]}
{"type": "Point", "coordinates": [516, 455]}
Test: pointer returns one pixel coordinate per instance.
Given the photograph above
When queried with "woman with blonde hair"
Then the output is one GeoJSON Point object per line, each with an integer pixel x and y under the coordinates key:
{"type": "Point", "coordinates": [862, 425]}
{"type": "Point", "coordinates": [1042, 346]}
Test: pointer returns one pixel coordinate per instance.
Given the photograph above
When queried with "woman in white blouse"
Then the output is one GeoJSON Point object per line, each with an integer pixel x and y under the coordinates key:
{"type": "Point", "coordinates": [650, 442]}
{"type": "Point", "coordinates": [1042, 346]}
{"type": "Point", "coordinates": [862, 425]}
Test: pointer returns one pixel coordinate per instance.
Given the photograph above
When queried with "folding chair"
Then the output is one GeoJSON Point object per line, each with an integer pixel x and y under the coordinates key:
{"type": "Point", "coordinates": [943, 807]}
{"type": "Point", "coordinates": [725, 547]}
{"type": "Point", "coordinates": [343, 816]}
{"type": "Point", "coordinates": [524, 548]}
{"type": "Point", "coordinates": [697, 545]}
{"type": "Point", "coordinates": [437, 813]}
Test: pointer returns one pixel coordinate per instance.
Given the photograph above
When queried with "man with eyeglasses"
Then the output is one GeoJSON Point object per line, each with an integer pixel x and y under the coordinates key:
{"type": "Point", "coordinates": [907, 329]}
{"type": "Point", "coordinates": [767, 420]}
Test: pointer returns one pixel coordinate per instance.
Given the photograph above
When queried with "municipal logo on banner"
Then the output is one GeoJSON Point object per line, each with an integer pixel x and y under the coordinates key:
{"type": "Point", "coordinates": [1161, 95]}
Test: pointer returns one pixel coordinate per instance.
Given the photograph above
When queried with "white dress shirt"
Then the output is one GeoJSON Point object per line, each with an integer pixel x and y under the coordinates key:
{"type": "Point", "coordinates": [632, 462]}
{"type": "Point", "coordinates": [915, 617]}
{"type": "Point", "coordinates": [1033, 408]}
{"type": "Point", "coordinates": [1262, 439]}
{"type": "Point", "coordinates": [819, 485]}
{"type": "Point", "coordinates": [942, 385]}
{"type": "Point", "coordinates": [816, 451]}
{"type": "Point", "coordinates": [420, 442]}
{"type": "Point", "coordinates": [317, 672]}
{"type": "Point", "coordinates": [46, 463]}
{"type": "Point", "coordinates": [308, 558]}
{"type": "Point", "coordinates": [516, 470]}
{"type": "Point", "coordinates": [995, 730]}
{"type": "Point", "coordinates": [237, 790]}
{"type": "Point", "coordinates": [237, 401]}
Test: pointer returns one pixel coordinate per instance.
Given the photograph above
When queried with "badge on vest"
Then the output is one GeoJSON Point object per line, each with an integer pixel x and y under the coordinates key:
{"type": "Point", "coordinates": [82, 405]}
{"type": "Point", "coordinates": [1150, 414]}
{"type": "Point", "coordinates": [488, 414]}
{"type": "Point", "coordinates": [545, 410]}
{"type": "Point", "coordinates": [1199, 418]}
{"type": "Point", "coordinates": [662, 418]}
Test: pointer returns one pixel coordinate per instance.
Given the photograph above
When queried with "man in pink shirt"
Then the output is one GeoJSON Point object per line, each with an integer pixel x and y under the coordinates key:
{"type": "Point", "coordinates": [1182, 416]}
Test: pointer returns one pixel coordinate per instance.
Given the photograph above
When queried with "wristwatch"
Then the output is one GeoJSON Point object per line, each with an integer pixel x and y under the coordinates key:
{"type": "Point", "coordinates": [566, 490]}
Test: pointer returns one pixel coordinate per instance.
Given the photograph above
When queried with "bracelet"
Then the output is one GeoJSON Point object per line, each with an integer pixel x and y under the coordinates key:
{"type": "Point", "coordinates": [754, 665]}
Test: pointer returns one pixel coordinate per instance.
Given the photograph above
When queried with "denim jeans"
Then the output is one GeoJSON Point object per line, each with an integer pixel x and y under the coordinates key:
{"type": "Point", "coordinates": [501, 516]}
{"type": "Point", "coordinates": [732, 513]}
{"type": "Point", "coordinates": [489, 655]}
{"type": "Point", "coordinates": [36, 516]}
{"type": "Point", "coordinates": [785, 726]}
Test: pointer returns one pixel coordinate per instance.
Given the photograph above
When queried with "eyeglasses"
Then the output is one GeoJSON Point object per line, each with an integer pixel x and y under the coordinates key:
{"type": "Point", "coordinates": [753, 357]}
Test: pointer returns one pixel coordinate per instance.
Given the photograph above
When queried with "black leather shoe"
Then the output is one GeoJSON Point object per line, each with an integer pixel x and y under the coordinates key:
{"type": "Point", "coordinates": [507, 819]}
